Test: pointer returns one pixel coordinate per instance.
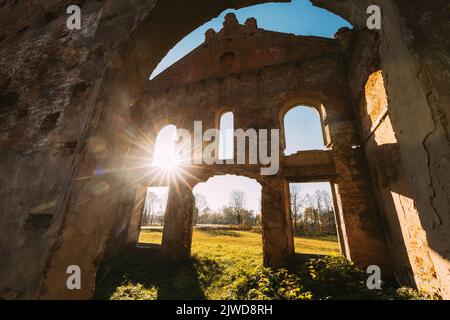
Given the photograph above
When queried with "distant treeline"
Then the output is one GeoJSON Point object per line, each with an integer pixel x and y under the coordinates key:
{"type": "Point", "coordinates": [312, 214]}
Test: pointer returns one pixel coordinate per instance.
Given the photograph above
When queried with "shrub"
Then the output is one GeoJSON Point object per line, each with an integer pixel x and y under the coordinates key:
{"type": "Point", "coordinates": [130, 291]}
{"type": "Point", "coordinates": [334, 277]}
{"type": "Point", "coordinates": [405, 293]}
{"type": "Point", "coordinates": [267, 284]}
{"type": "Point", "coordinates": [331, 277]}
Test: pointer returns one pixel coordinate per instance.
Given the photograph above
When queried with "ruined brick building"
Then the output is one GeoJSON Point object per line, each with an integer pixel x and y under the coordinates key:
{"type": "Point", "coordinates": [77, 106]}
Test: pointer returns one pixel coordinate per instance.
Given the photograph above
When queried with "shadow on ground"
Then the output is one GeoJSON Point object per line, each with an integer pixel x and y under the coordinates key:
{"type": "Point", "coordinates": [145, 265]}
{"type": "Point", "coordinates": [143, 273]}
{"type": "Point", "coordinates": [297, 262]}
{"type": "Point", "coordinates": [220, 233]}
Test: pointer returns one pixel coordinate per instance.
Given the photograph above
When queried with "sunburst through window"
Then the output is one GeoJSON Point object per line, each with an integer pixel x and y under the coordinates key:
{"type": "Point", "coordinates": [166, 154]}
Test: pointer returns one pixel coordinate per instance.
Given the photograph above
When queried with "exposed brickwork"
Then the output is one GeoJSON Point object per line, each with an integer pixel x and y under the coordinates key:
{"type": "Point", "coordinates": [284, 72]}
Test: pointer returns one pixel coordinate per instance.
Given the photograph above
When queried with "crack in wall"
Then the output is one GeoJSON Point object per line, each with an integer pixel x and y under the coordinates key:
{"type": "Point", "coordinates": [427, 151]}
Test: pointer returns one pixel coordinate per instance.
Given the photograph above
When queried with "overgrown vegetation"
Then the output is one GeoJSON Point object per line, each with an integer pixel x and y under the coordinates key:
{"type": "Point", "coordinates": [326, 278]}
{"type": "Point", "coordinates": [131, 291]}
{"type": "Point", "coordinates": [226, 265]}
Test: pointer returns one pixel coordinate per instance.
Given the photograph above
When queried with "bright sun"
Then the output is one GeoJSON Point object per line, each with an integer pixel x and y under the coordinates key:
{"type": "Point", "coordinates": [165, 155]}
{"type": "Point", "coordinates": [168, 162]}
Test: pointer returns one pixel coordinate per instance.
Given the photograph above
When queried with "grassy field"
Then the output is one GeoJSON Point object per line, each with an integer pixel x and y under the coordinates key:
{"type": "Point", "coordinates": [242, 249]}
{"type": "Point", "coordinates": [220, 259]}
{"type": "Point", "coordinates": [226, 264]}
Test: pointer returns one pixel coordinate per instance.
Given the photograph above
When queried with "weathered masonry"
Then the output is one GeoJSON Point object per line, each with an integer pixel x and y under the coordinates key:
{"type": "Point", "coordinates": [77, 106]}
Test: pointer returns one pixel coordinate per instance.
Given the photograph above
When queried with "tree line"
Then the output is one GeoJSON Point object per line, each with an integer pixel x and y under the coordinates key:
{"type": "Point", "coordinates": [312, 214]}
{"type": "Point", "coordinates": [235, 213]}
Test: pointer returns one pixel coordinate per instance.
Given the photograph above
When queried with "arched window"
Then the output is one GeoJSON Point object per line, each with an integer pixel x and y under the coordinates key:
{"type": "Point", "coordinates": [164, 154]}
{"type": "Point", "coordinates": [303, 130]}
{"type": "Point", "coordinates": [226, 137]}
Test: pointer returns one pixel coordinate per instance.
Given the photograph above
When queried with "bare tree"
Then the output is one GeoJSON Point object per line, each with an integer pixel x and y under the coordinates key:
{"type": "Point", "coordinates": [297, 202]}
{"type": "Point", "coordinates": [314, 205]}
{"type": "Point", "coordinates": [328, 203]}
{"type": "Point", "coordinates": [238, 202]}
{"type": "Point", "coordinates": [319, 214]}
{"type": "Point", "coordinates": [327, 211]}
{"type": "Point", "coordinates": [162, 201]}
{"type": "Point", "coordinates": [150, 205]}
{"type": "Point", "coordinates": [200, 205]}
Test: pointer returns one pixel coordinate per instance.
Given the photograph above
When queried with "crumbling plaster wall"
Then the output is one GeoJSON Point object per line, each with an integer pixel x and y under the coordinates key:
{"type": "Point", "coordinates": [51, 79]}
{"type": "Point", "coordinates": [403, 110]}
{"type": "Point", "coordinates": [428, 23]}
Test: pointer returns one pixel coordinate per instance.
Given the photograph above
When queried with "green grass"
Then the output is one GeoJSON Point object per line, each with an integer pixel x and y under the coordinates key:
{"type": "Point", "coordinates": [220, 258]}
{"type": "Point", "coordinates": [242, 249]}
{"type": "Point", "coordinates": [226, 264]}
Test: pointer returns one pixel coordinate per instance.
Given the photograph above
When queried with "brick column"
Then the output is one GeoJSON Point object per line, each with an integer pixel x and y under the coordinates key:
{"type": "Point", "coordinates": [177, 233]}
{"type": "Point", "coordinates": [137, 210]}
{"type": "Point", "coordinates": [359, 223]}
{"type": "Point", "coordinates": [278, 241]}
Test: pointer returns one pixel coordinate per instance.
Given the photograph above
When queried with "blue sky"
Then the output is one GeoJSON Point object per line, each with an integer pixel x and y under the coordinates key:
{"type": "Point", "coordinates": [298, 17]}
{"type": "Point", "coordinates": [302, 124]}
